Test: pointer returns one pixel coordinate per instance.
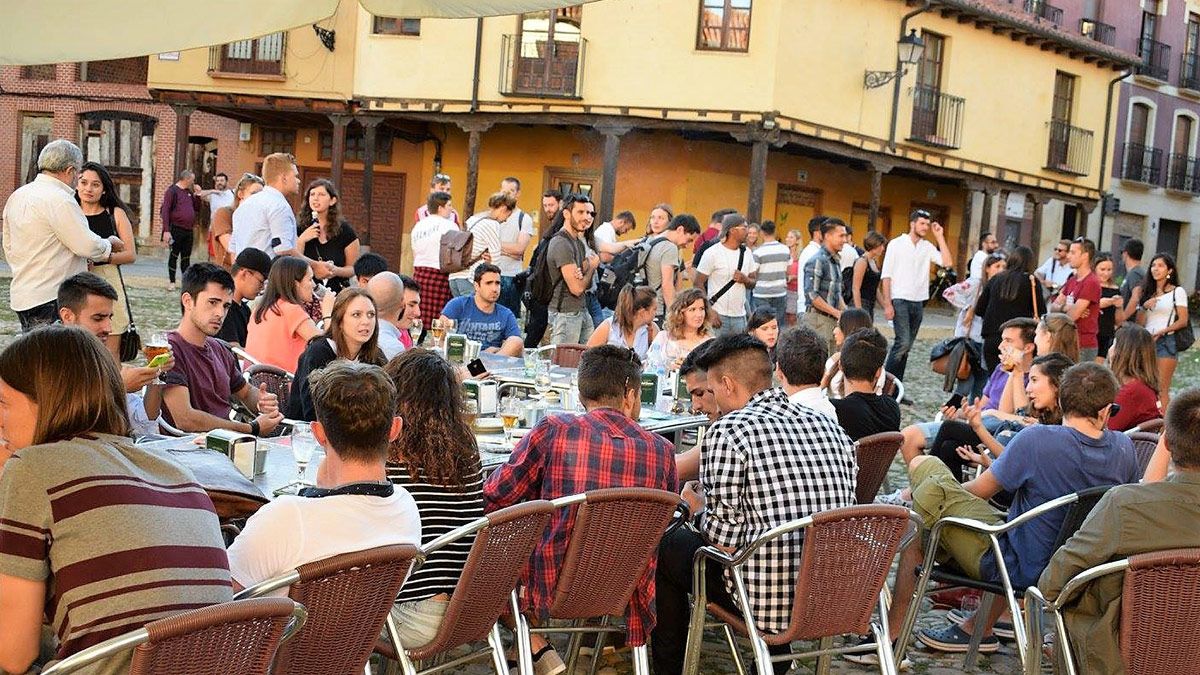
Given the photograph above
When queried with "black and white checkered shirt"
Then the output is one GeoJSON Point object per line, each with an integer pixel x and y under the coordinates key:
{"type": "Point", "coordinates": [764, 465]}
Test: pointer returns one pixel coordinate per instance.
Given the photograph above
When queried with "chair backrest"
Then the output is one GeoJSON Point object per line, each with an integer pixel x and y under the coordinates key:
{"type": "Point", "coordinates": [892, 386]}
{"type": "Point", "coordinates": [1144, 444]}
{"type": "Point", "coordinates": [1154, 426]}
{"type": "Point", "coordinates": [568, 355]}
{"type": "Point", "coordinates": [278, 380]}
{"type": "Point", "coordinates": [1078, 512]}
{"type": "Point", "coordinates": [845, 562]}
{"type": "Point", "coordinates": [875, 455]}
{"type": "Point", "coordinates": [348, 598]}
{"type": "Point", "coordinates": [1160, 610]}
{"type": "Point", "coordinates": [616, 532]}
{"type": "Point", "coordinates": [498, 558]}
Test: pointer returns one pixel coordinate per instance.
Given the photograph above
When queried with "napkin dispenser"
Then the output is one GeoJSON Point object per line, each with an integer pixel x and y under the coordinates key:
{"type": "Point", "coordinates": [456, 348]}
{"type": "Point", "coordinates": [485, 393]}
{"type": "Point", "coordinates": [242, 449]}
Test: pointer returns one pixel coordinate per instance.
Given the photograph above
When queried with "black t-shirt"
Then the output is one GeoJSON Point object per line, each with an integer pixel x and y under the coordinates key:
{"type": "Point", "coordinates": [236, 324]}
{"type": "Point", "coordinates": [333, 250]}
{"type": "Point", "coordinates": [1108, 315]}
{"type": "Point", "coordinates": [865, 414]}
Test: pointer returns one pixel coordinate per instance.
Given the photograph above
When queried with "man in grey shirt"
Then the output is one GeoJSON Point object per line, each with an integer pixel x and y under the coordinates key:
{"type": "Point", "coordinates": [663, 261]}
{"type": "Point", "coordinates": [571, 269]}
{"type": "Point", "coordinates": [1135, 275]}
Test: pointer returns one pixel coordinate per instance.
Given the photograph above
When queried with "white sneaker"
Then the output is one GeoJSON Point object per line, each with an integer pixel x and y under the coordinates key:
{"type": "Point", "coordinates": [894, 499]}
{"type": "Point", "coordinates": [871, 658]}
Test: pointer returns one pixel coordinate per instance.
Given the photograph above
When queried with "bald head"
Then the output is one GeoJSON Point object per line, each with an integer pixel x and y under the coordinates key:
{"type": "Point", "coordinates": [387, 290]}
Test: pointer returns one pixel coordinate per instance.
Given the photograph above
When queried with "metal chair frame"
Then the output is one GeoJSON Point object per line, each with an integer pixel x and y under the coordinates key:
{"type": "Point", "coordinates": [762, 657]}
{"type": "Point", "coordinates": [1035, 601]}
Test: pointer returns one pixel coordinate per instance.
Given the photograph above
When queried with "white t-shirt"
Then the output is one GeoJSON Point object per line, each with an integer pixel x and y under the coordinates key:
{"type": "Point", "coordinates": [1159, 316]}
{"type": "Point", "coordinates": [810, 249]}
{"type": "Point", "coordinates": [815, 399]}
{"type": "Point", "coordinates": [265, 221]}
{"type": "Point", "coordinates": [292, 531]}
{"type": "Point", "coordinates": [976, 271]}
{"type": "Point", "coordinates": [518, 223]}
{"type": "Point", "coordinates": [719, 263]}
{"type": "Point", "coordinates": [1055, 272]}
{"type": "Point", "coordinates": [486, 233]}
{"type": "Point", "coordinates": [606, 233]}
{"type": "Point", "coordinates": [847, 256]}
{"type": "Point", "coordinates": [907, 265]}
{"type": "Point", "coordinates": [427, 240]}
{"type": "Point", "coordinates": [220, 199]}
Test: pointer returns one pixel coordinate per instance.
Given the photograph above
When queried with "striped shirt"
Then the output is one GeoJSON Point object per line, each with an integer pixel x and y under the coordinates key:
{"type": "Point", "coordinates": [773, 260]}
{"type": "Point", "coordinates": [120, 535]}
{"type": "Point", "coordinates": [443, 509]}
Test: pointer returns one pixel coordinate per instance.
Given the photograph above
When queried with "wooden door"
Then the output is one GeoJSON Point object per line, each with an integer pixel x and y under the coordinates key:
{"type": "Point", "coordinates": [795, 205]}
{"type": "Point", "coordinates": [572, 181]}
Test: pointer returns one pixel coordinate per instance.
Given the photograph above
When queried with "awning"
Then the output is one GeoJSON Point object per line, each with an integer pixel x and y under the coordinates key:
{"type": "Point", "coordinates": [59, 31]}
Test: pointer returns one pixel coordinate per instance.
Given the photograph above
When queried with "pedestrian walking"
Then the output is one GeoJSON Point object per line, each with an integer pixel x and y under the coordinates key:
{"type": "Point", "coordinates": [178, 211]}
{"type": "Point", "coordinates": [727, 270]}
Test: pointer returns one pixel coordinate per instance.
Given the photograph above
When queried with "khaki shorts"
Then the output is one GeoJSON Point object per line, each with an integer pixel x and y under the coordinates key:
{"type": "Point", "coordinates": [937, 494]}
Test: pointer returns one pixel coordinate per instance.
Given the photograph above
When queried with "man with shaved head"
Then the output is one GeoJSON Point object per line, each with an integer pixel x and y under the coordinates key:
{"type": "Point", "coordinates": [387, 290]}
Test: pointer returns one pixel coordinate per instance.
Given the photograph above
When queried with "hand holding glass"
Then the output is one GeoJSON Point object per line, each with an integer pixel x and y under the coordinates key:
{"type": "Point", "coordinates": [156, 346]}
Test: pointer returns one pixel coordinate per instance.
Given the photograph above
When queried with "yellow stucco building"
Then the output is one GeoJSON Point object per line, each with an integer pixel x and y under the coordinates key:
{"type": "Point", "coordinates": [761, 105]}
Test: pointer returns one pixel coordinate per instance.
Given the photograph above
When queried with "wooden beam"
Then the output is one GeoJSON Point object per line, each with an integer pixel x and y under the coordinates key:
{"type": "Point", "coordinates": [337, 157]}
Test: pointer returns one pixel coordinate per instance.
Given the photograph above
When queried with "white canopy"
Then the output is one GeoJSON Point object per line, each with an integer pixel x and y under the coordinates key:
{"type": "Point", "coordinates": [58, 31]}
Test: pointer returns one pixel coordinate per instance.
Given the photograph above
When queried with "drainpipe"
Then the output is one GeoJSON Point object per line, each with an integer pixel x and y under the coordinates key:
{"type": "Point", "coordinates": [899, 69]}
{"type": "Point", "coordinates": [1108, 110]}
{"type": "Point", "coordinates": [478, 58]}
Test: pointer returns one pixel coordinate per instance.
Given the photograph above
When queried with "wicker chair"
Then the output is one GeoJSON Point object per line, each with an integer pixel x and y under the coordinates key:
{"type": "Point", "coordinates": [1154, 426]}
{"type": "Point", "coordinates": [892, 386]}
{"type": "Point", "coordinates": [875, 455]}
{"type": "Point", "coordinates": [615, 536]}
{"type": "Point", "coordinates": [277, 380]}
{"type": "Point", "coordinates": [348, 598]}
{"type": "Point", "coordinates": [841, 581]}
{"type": "Point", "coordinates": [232, 638]}
{"type": "Point", "coordinates": [568, 355]}
{"type": "Point", "coordinates": [491, 573]}
{"type": "Point", "coordinates": [1144, 444]}
{"type": "Point", "coordinates": [1159, 612]}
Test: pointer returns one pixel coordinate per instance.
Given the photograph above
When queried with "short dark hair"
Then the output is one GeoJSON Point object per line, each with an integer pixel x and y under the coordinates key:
{"type": "Point", "coordinates": [1085, 389]}
{"type": "Point", "coordinates": [801, 355]}
{"type": "Point", "coordinates": [626, 217]}
{"type": "Point", "coordinates": [410, 284]}
{"type": "Point", "coordinates": [863, 354]}
{"type": "Point", "coordinates": [814, 224]}
{"type": "Point", "coordinates": [983, 236]}
{"type": "Point", "coordinates": [553, 193]}
{"type": "Point", "coordinates": [760, 317]}
{"type": "Point", "coordinates": [484, 268]}
{"type": "Point", "coordinates": [691, 362]}
{"type": "Point", "coordinates": [436, 200]}
{"type": "Point", "coordinates": [767, 227]}
{"type": "Point", "coordinates": [607, 372]}
{"type": "Point", "coordinates": [198, 276]}
{"type": "Point", "coordinates": [741, 355]}
{"type": "Point", "coordinates": [687, 221]}
{"type": "Point", "coordinates": [720, 214]}
{"type": "Point", "coordinates": [511, 179]}
{"type": "Point", "coordinates": [355, 402]}
{"type": "Point", "coordinates": [1087, 246]}
{"type": "Point", "coordinates": [369, 264]}
{"type": "Point", "coordinates": [919, 213]}
{"type": "Point", "coordinates": [73, 293]}
{"type": "Point", "coordinates": [830, 224]}
{"type": "Point", "coordinates": [252, 259]}
{"type": "Point", "coordinates": [1134, 248]}
{"type": "Point", "coordinates": [1182, 428]}
{"type": "Point", "coordinates": [221, 174]}
{"type": "Point", "coordinates": [854, 319]}
{"type": "Point", "coordinates": [1027, 326]}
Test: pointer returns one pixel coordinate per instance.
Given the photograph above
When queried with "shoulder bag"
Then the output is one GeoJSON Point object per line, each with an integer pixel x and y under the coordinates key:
{"type": "Point", "coordinates": [131, 342]}
{"type": "Point", "coordinates": [725, 289]}
{"type": "Point", "coordinates": [1184, 337]}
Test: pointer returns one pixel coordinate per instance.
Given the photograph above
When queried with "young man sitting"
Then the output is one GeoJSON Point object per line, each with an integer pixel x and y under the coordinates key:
{"type": "Point", "coordinates": [368, 265]}
{"type": "Point", "coordinates": [354, 506]}
{"type": "Point", "coordinates": [481, 318]}
{"type": "Point", "coordinates": [250, 271]}
{"type": "Point", "coordinates": [1041, 463]}
{"type": "Point", "coordinates": [862, 412]}
{"type": "Point", "coordinates": [800, 355]}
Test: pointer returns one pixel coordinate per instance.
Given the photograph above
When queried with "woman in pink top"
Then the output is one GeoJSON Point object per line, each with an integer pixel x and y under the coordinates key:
{"type": "Point", "coordinates": [281, 327]}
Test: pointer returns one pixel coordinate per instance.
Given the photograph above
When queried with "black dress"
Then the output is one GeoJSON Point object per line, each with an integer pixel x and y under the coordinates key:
{"type": "Point", "coordinates": [318, 354]}
{"type": "Point", "coordinates": [1108, 321]}
{"type": "Point", "coordinates": [334, 251]}
{"type": "Point", "coordinates": [995, 310]}
{"type": "Point", "coordinates": [869, 289]}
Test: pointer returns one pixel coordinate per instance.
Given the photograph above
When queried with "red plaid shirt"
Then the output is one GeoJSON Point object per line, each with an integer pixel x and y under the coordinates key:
{"type": "Point", "coordinates": [567, 455]}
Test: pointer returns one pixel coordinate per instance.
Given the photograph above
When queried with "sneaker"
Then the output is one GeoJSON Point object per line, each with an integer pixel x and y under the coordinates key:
{"type": "Point", "coordinates": [545, 662]}
{"type": "Point", "coordinates": [952, 639]}
{"type": "Point", "coordinates": [894, 499]}
{"type": "Point", "coordinates": [1002, 629]}
{"type": "Point", "coordinates": [871, 658]}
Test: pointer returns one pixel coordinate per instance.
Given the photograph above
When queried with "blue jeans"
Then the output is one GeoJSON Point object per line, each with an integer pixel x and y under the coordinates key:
{"type": "Point", "coordinates": [777, 304]}
{"type": "Point", "coordinates": [906, 324]}
{"type": "Point", "coordinates": [594, 309]}
{"type": "Point", "coordinates": [731, 325]}
{"type": "Point", "coordinates": [461, 287]}
{"type": "Point", "coordinates": [509, 297]}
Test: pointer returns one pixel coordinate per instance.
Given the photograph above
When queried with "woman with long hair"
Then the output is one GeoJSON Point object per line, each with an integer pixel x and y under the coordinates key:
{"type": "Point", "coordinates": [763, 325]}
{"type": "Point", "coordinates": [325, 236]}
{"type": "Point", "coordinates": [221, 228]}
{"type": "Point", "coordinates": [864, 284]}
{"type": "Point", "coordinates": [1163, 309]}
{"type": "Point", "coordinates": [280, 327]}
{"type": "Point", "coordinates": [436, 459]}
{"type": "Point", "coordinates": [1133, 362]}
{"type": "Point", "coordinates": [351, 333]}
{"type": "Point", "coordinates": [108, 216]}
{"type": "Point", "coordinates": [660, 215]}
{"type": "Point", "coordinates": [1011, 294]}
{"type": "Point", "coordinates": [1110, 300]}
{"type": "Point", "coordinates": [1056, 334]}
{"type": "Point", "coordinates": [689, 322]}
{"type": "Point", "coordinates": [66, 445]}
{"type": "Point", "coordinates": [632, 324]}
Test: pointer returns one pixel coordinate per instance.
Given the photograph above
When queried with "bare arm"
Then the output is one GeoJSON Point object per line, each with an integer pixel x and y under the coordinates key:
{"type": "Point", "coordinates": [512, 346]}
{"type": "Point", "coordinates": [600, 335]}
{"type": "Point", "coordinates": [668, 284]}
{"type": "Point", "coordinates": [699, 279]}
{"type": "Point", "coordinates": [22, 605]}
{"type": "Point", "coordinates": [860, 272]}
{"type": "Point", "coordinates": [187, 418]}
{"type": "Point", "coordinates": [125, 234]}
{"type": "Point", "coordinates": [1160, 463]}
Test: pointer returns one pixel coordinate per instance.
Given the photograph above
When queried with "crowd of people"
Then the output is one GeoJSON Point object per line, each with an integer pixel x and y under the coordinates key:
{"type": "Point", "coordinates": [775, 343]}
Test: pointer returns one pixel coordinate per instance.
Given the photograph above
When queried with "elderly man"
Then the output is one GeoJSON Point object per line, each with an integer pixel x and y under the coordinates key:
{"type": "Point", "coordinates": [46, 235]}
{"type": "Point", "coordinates": [180, 203]}
{"type": "Point", "coordinates": [387, 290]}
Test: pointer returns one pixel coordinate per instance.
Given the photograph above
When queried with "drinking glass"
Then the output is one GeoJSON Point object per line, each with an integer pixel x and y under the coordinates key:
{"type": "Point", "coordinates": [541, 377]}
{"type": "Point", "coordinates": [530, 358]}
{"type": "Point", "coordinates": [509, 414]}
{"type": "Point", "coordinates": [157, 345]}
{"type": "Point", "coordinates": [303, 445]}
{"type": "Point", "coordinates": [414, 331]}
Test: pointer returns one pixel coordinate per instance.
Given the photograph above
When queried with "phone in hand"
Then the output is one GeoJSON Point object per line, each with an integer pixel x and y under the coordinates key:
{"type": "Point", "coordinates": [476, 368]}
{"type": "Point", "coordinates": [956, 401]}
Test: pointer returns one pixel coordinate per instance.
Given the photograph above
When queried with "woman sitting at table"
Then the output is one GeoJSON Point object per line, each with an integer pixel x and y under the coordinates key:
{"type": "Point", "coordinates": [1133, 361]}
{"type": "Point", "coordinates": [352, 333]}
{"type": "Point", "coordinates": [632, 325]}
{"type": "Point", "coordinates": [280, 327]}
{"type": "Point", "coordinates": [689, 322]}
{"type": "Point", "coordinates": [81, 505]}
{"type": "Point", "coordinates": [436, 459]}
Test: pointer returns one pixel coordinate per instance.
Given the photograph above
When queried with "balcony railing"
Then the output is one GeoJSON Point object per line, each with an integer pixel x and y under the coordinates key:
{"type": "Point", "coordinates": [1142, 164]}
{"type": "Point", "coordinates": [1100, 32]}
{"type": "Point", "coordinates": [1184, 174]}
{"type": "Point", "coordinates": [937, 118]}
{"type": "Point", "coordinates": [1189, 72]}
{"type": "Point", "coordinates": [534, 65]}
{"type": "Point", "coordinates": [1156, 59]}
{"type": "Point", "coordinates": [1070, 149]}
{"type": "Point", "coordinates": [1044, 10]}
{"type": "Point", "coordinates": [262, 56]}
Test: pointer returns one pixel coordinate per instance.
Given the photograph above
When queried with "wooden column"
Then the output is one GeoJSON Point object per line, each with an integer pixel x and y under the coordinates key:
{"type": "Point", "coordinates": [988, 220]}
{"type": "Point", "coordinates": [1035, 233]}
{"type": "Point", "coordinates": [369, 123]}
{"type": "Point", "coordinates": [758, 180]}
{"type": "Point", "coordinates": [877, 170]}
{"type": "Point", "coordinates": [608, 182]}
{"type": "Point", "coordinates": [183, 120]}
{"type": "Point", "coordinates": [474, 129]}
{"type": "Point", "coordinates": [338, 154]}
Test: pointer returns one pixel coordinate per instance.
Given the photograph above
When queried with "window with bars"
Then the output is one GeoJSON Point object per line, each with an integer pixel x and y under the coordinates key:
{"type": "Point", "coordinates": [277, 140]}
{"type": "Point", "coordinates": [115, 71]}
{"type": "Point", "coordinates": [387, 25]}
{"type": "Point", "coordinates": [42, 72]}
{"type": "Point", "coordinates": [356, 146]}
{"type": "Point", "coordinates": [724, 25]}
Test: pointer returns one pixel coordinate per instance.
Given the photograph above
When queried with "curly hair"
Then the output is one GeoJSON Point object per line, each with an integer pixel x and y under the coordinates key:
{"type": "Point", "coordinates": [435, 437]}
{"type": "Point", "coordinates": [675, 315]}
{"type": "Point", "coordinates": [333, 216]}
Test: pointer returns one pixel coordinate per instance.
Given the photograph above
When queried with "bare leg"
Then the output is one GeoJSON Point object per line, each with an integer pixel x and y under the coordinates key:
{"type": "Point", "coordinates": [1166, 371]}
{"type": "Point", "coordinates": [914, 443]}
{"type": "Point", "coordinates": [998, 608]}
{"type": "Point", "coordinates": [906, 582]}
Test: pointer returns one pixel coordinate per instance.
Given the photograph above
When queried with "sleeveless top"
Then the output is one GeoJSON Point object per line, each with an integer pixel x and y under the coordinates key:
{"type": "Point", "coordinates": [103, 225]}
{"type": "Point", "coordinates": [641, 339]}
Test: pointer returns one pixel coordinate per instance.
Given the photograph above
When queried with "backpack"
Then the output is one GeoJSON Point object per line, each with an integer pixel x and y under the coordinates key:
{"type": "Point", "coordinates": [848, 278]}
{"type": "Point", "coordinates": [627, 268]}
{"type": "Point", "coordinates": [539, 288]}
{"type": "Point", "coordinates": [700, 251]}
{"type": "Point", "coordinates": [454, 249]}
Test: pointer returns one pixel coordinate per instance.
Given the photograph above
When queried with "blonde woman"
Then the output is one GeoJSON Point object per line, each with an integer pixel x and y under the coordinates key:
{"type": "Point", "coordinates": [689, 322]}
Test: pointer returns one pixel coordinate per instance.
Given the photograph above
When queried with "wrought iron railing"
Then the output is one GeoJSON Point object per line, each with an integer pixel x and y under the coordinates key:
{"type": "Point", "coordinates": [1184, 174]}
{"type": "Point", "coordinates": [1099, 31]}
{"type": "Point", "coordinates": [260, 56]}
{"type": "Point", "coordinates": [1189, 72]}
{"type": "Point", "coordinates": [1070, 149]}
{"type": "Point", "coordinates": [534, 65]}
{"type": "Point", "coordinates": [1044, 10]}
{"type": "Point", "coordinates": [937, 118]}
{"type": "Point", "coordinates": [1142, 163]}
{"type": "Point", "coordinates": [1156, 59]}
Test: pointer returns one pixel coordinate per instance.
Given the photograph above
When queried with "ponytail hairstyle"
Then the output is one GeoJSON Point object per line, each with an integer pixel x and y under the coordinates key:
{"type": "Point", "coordinates": [631, 301]}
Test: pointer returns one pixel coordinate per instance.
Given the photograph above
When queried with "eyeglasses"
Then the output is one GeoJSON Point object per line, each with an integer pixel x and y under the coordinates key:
{"type": "Point", "coordinates": [441, 178]}
{"type": "Point", "coordinates": [1060, 250]}
{"type": "Point", "coordinates": [921, 213]}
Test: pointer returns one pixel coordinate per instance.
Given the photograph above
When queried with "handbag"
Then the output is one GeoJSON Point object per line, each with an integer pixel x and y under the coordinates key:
{"type": "Point", "coordinates": [951, 355]}
{"type": "Point", "coordinates": [1184, 337]}
{"type": "Point", "coordinates": [131, 342]}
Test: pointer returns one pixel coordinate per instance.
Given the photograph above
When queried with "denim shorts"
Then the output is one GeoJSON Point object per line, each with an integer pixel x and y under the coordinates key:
{"type": "Point", "coordinates": [1164, 347]}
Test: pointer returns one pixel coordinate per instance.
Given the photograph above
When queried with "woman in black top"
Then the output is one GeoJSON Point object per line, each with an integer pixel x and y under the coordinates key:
{"type": "Point", "coordinates": [864, 284]}
{"type": "Point", "coordinates": [108, 216]}
{"type": "Point", "coordinates": [1011, 294]}
{"type": "Point", "coordinates": [352, 333]}
{"type": "Point", "coordinates": [325, 237]}
{"type": "Point", "coordinates": [1110, 297]}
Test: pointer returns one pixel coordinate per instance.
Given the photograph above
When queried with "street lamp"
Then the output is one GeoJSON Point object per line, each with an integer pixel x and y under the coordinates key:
{"type": "Point", "coordinates": [908, 52]}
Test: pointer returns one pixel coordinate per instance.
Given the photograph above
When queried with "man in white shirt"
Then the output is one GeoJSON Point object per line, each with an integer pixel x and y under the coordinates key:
{"type": "Point", "coordinates": [515, 234]}
{"type": "Point", "coordinates": [800, 356]}
{"type": "Point", "coordinates": [727, 270]}
{"type": "Point", "coordinates": [773, 259]}
{"type": "Point", "coordinates": [387, 290]}
{"type": "Point", "coordinates": [46, 235]}
{"type": "Point", "coordinates": [220, 195]}
{"type": "Point", "coordinates": [1056, 270]}
{"type": "Point", "coordinates": [810, 249]}
{"type": "Point", "coordinates": [265, 220]}
{"type": "Point", "coordinates": [905, 283]}
{"type": "Point", "coordinates": [354, 507]}
{"type": "Point", "coordinates": [988, 244]}
{"type": "Point", "coordinates": [607, 233]}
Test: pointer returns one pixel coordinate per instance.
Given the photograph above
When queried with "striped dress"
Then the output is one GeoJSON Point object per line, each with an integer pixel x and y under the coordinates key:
{"type": "Point", "coordinates": [442, 510]}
